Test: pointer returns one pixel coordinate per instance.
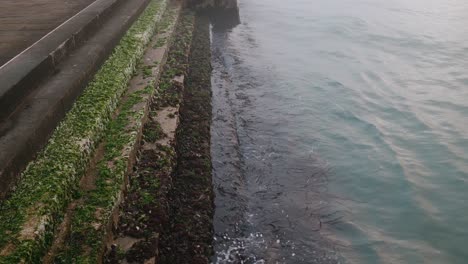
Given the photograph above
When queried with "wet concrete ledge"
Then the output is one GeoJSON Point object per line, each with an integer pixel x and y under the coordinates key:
{"type": "Point", "coordinates": [22, 73]}
{"type": "Point", "coordinates": [187, 236]}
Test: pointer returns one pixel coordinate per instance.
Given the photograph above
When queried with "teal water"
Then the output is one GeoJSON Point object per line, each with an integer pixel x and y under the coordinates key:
{"type": "Point", "coordinates": [371, 96]}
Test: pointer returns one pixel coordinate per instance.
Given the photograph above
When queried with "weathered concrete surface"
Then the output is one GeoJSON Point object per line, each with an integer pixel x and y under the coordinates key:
{"type": "Point", "coordinates": [131, 116]}
{"type": "Point", "coordinates": [26, 131]}
{"type": "Point", "coordinates": [25, 71]}
{"type": "Point", "coordinates": [31, 214]}
{"type": "Point", "coordinates": [145, 209]}
{"type": "Point", "coordinates": [23, 22]}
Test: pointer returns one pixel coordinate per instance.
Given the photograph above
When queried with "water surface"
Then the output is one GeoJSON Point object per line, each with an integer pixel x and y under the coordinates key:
{"type": "Point", "coordinates": [340, 132]}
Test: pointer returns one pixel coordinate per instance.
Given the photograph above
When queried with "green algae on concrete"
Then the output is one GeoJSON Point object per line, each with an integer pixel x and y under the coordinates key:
{"type": "Point", "coordinates": [87, 230]}
{"type": "Point", "coordinates": [29, 217]}
{"type": "Point", "coordinates": [92, 219]}
{"type": "Point", "coordinates": [145, 209]}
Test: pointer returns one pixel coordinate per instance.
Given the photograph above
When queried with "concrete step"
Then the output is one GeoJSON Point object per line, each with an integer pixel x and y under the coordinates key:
{"type": "Point", "coordinates": [90, 218]}
{"type": "Point", "coordinates": [144, 213]}
{"type": "Point", "coordinates": [29, 217]}
{"type": "Point", "coordinates": [73, 52]}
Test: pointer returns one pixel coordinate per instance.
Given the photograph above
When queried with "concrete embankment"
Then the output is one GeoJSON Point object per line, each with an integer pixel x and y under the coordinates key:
{"type": "Point", "coordinates": [187, 236]}
{"type": "Point", "coordinates": [126, 176]}
{"type": "Point", "coordinates": [40, 85]}
{"type": "Point", "coordinates": [167, 215]}
{"type": "Point", "coordinates": [30, 216]}
{"type": "Point", "coordinates": [95, 212]}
